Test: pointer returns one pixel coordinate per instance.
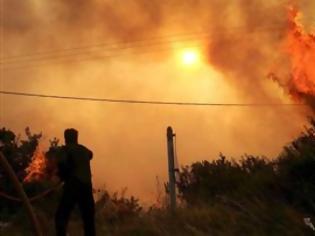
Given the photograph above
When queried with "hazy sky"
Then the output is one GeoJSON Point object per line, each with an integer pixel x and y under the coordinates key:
{"type": "Point", "coordinates": [132, 50]}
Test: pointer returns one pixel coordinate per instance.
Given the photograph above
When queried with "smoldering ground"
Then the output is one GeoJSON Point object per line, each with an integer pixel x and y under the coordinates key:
{"type": "Point", "coordinates": [62, 44]}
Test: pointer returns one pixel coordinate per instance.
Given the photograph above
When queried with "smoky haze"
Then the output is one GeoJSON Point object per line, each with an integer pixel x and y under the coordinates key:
{"type": "Point", "coordinates": [127, 50]}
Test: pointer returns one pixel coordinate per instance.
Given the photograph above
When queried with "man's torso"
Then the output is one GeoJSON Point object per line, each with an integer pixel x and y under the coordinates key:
{"type": "Point", "coordinates": [77, 158]}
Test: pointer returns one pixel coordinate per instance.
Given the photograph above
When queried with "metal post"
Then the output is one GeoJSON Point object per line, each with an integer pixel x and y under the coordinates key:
{"type": "Point", "coordinates": [171, 168]}
{"type": "Point", "coordinates": [18, 187]}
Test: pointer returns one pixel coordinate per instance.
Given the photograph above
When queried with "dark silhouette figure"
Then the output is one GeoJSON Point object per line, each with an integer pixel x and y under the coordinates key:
{"type": "Point", "coordinates": [74, 170]}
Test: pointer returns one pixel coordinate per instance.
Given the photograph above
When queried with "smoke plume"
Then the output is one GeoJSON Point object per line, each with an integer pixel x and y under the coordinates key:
{"type": "Point", "coordinates": [253, 52]}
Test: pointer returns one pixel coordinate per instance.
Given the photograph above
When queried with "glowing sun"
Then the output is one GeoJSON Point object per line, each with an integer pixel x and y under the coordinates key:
{"type": "Point", "coordinates": [190, 57]}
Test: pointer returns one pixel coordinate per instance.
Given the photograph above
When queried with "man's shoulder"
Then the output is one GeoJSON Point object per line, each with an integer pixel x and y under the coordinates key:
{"type": "Point", "coordinates": [80, 146]}
{"type": "Point", "coordinates": [78, 149]}
{"type": "Point", "coordinates": [86, 150]}
{"type": "Point", "coordinates": [69, 147]}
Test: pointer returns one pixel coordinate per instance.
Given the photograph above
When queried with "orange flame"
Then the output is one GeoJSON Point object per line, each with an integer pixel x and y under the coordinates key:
{"type": "Point", "coordinates": [300, 47]}
{"type": "Point", "coordinates": [36, 170]}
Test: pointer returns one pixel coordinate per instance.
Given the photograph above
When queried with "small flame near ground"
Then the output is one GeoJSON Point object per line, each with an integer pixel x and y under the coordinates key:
{"type": "Point", "coordinates": [36, 170]}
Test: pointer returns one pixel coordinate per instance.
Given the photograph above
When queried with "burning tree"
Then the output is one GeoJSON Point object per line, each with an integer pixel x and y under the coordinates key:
{"type": "Point", "coordinates": [19, 154]}
{"type": "Point", "coordinates": [33, 167]}
{"type": "Point", "coordinates": [301, 48]}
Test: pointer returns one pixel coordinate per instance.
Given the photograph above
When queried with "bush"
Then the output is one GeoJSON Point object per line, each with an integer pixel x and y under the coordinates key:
{"type": "Point", "coordinates": [251, 196]}
{"type": "Point", "coordinates": [289, 178]}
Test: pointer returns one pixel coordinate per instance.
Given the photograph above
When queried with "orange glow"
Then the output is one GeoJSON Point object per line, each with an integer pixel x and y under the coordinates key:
{"type": "Point", "coordinates": [137, 51]}
{"type": "Point", "coordinates": [36, 169]}
{"type": "Point", "coordinates": [301, 48]}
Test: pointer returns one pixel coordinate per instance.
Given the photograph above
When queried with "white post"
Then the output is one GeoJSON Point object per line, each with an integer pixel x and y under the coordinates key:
{"type": "Point", "coordinates": [171, 168]}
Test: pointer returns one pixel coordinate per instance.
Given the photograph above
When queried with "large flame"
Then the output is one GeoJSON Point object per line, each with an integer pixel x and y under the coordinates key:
{"type": "Point", "coordinates": [36, 170]}
{"type": "Point", "coordinates": [300, 46]}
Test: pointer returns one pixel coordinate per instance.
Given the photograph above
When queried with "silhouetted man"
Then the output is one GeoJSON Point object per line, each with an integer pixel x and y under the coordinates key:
{"type": "Point", "coordinates": [74, 170]}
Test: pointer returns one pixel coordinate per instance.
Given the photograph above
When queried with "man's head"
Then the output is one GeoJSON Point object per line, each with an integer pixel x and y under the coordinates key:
{"type": "Point", "coordinates": [71, 136]}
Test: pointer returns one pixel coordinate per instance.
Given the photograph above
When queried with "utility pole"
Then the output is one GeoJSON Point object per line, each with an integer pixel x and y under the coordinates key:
{"type": "Point", "coordinates": [171, 168]}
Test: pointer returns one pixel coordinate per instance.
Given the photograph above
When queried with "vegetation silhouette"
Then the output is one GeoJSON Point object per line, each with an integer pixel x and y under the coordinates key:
{"type": "Point", "coordinates": [289, 178]}
{"type": "Point", "coordinates": [251, 196]}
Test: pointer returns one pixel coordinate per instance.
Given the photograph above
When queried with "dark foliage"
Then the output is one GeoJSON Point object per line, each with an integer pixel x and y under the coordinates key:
{"type": "Point", "coordinates": [251, 196]}
{"type": "Point", "coordinates": [19, 154]}
{"type": "Point", "coordinates": [296, 170]}
{"type": "Point", "coordinates": [116, 208]}
{"type": "Point", "coordinates": [290, 178]}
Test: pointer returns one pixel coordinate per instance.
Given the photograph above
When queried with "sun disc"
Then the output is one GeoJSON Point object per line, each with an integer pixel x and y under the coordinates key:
{"type": "Point", "coordinates": [190, 57]}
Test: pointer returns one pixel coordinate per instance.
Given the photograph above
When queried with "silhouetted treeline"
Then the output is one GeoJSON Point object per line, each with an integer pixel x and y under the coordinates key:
{"type": "Point", "coordinates": [251, 196]}
{"type": "Point", "coordinates": [289, 178]}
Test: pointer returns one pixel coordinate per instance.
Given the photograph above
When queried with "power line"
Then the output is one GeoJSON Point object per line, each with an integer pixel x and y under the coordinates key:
{"type": "Point", "coordinates": [113, 48]}
{"type": "Point", "coordinates": [64, 53]}
{"type": "Point", "coordinates": [217, 30]}
{"type": "Point", "coordinates": [102, 45]}
{"type": "Point", "coordinates": [94, 55]}
{"type": "Point", "coordinates": [62, 61]}
{"type": "Point", "coordinates": [131, 101]}
{"type": "Point", "coordinates": [144, 40]}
